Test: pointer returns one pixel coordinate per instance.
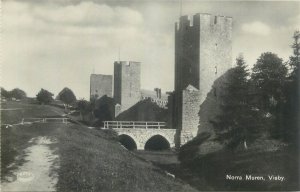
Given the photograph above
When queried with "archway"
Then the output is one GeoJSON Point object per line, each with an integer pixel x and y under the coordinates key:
{"type": "Point", "coordinates": [127, 142]}
{"type": "Point", "coordinates": [157, 142]}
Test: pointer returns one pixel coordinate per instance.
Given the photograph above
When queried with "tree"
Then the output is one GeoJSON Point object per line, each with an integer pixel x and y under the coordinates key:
{"type": "Point", "coordinates": [44, 96]}
{"type": "Point", "coordinates": [104, 109]}
{"type": "Point", "coordinates": [291, 112]}
{"type": "Point", "coordinates": [268, 78]}
{"type": "Point", "coordinates": [294, 62]}
{"type": "Point", "coordinates": [17, 93]}
{"type": "Point", "coordinates": [239, 120]}
{"type": "Point", "coordinates": [4, 93]}
{"type": "Point", "coordinates": [67, 96]}
{"type": "Point", "coordinates": [83, 107]}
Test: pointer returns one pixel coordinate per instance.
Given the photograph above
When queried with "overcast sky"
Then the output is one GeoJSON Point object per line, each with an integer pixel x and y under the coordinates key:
{"type": "Point", "coordinates": [58, 43]}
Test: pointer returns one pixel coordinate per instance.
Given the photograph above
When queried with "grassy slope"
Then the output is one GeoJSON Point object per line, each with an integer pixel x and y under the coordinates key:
{"type": "Point", "coordinates": [26, 110]}
{"type": "Point", "coordinates": [283, 163]}
{"type": "Point", "coordinates": [15, 139]}
{"type": "Point", "coordinates": [90, 160]}
{"type": "Point", "coordinates": [210, 170]}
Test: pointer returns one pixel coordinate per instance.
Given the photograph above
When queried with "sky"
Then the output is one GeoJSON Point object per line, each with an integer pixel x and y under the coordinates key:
{"type": "Point", "coordinates": [53, 44]}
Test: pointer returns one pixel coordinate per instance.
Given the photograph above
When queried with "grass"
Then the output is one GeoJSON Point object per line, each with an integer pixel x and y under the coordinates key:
{"type": "Point", "coordinates": [210, 170]}
{"type": "Point", "coordinates": [15, 139]}
{"type": "Point", "coordinates": [159, 157]}
{"type": "Point", "coordinates": [90, 159]}
{"type": "Point", "coordinates": [93, 163]}
{"type": "Point", "coordinates": [25, 110]}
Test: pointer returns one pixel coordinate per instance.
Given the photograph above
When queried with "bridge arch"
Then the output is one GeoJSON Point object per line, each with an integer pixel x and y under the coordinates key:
{"type": "Point", "coordinates": [142, 135]}
{"type": "Point", "coordinates": [127, 141]}
{"type": "Point", "coordinates": [157, 142]}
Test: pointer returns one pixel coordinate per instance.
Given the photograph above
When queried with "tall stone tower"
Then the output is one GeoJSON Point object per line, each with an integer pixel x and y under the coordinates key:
{"type": "Point", "coordinates": [203, 48]}
{"type": "Point", "coordinates": [127, 84]}
{"type": "Point", "coordinates": [100, 85]}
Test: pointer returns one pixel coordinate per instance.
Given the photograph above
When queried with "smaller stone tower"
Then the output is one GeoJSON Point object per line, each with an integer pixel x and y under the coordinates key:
{"type": "Point", "coordinates": [127, 84]}
{"type": "Point", "coordinates": [100, 85]}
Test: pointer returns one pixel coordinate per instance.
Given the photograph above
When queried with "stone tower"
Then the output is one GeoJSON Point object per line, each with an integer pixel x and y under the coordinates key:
{"type": "Point", "coordinates": [203, 48]}
{"type": "Point", "coordinates": [127, 84]}
{"type": "Point", "coordinates": [100, 85]}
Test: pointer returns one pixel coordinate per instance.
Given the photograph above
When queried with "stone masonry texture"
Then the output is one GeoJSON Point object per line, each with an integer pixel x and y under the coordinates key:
{"type": "Point", "coordinates": [100, 85]}
{"type": "Point", "coordinates": [141, 136]}
{"type": "Point", "coordinates": [127, 86]}
{"type": "Point", "coordinates": [203, 46]}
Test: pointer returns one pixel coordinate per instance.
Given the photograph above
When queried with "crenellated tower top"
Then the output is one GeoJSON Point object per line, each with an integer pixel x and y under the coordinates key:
{"type": "Point", "coordinates": [190, 21]}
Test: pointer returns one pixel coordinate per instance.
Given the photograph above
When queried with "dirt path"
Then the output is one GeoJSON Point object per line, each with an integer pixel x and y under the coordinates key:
{"type": "Point", "coordinates": [36, 174]}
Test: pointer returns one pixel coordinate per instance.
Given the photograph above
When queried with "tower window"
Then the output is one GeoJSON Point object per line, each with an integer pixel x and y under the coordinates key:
{"type": "Point", "coordinates": [130, 90]}
{"type": "Point", "coordinates": [216, 70]}
{"type": "Point", "coordinates": [215, 92]}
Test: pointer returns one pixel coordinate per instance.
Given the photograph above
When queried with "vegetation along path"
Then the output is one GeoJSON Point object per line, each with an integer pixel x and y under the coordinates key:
{"type": "Point", "coordinates": [71, 157]}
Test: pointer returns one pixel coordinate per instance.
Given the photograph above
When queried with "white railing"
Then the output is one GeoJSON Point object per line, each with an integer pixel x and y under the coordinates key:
{"type": "Point", "coordinates": [134, 124]}
{"type": "Point", "coordinates": [44, 120]}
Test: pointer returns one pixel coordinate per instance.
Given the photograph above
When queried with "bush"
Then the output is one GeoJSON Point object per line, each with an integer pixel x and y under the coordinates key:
{"type": "Point", "coordinates": [17, 93]}
{"type": "Point", "coordinates": [4, 93]}
{"type": "Point", "coordinates": [44, 97]}
{"type": "Point", "coordinates": [67, 96]}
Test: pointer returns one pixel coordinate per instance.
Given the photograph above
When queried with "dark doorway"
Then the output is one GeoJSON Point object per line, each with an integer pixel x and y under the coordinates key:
{"type": "Point", "coordinates": [127, 142]}
{"type": "Point", "coordinates": [157, 142]}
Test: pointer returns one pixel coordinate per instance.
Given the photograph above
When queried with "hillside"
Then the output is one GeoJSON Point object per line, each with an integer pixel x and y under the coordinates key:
{"type": "Point", "coordinates": [144, 110]}
{"type": "Point", "coordinates": [215, 168]}
{"type": "Point", "coordinates": [88, 159]}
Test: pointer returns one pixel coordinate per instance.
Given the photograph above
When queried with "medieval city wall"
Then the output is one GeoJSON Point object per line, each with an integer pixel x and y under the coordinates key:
{"type": "Point", "coordinates": [190, 113]}
{"type": "Point", "coordinates": [215, 50]}
{"type": "Point", "coordinates": [203, 48]}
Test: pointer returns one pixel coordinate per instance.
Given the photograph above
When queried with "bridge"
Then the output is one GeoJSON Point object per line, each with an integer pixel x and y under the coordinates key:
{"type": "Point", "coordinates": [142, 135]}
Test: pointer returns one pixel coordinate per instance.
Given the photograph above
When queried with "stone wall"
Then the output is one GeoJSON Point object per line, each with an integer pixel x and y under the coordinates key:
{"type": "Point", "coordinates": [127, 83]}
{"type": "Point", "coordinates": [203, 46]}
{"type": "Point", "coordinates": [100, 85]}
{"type": "Point", "coordinates": [141, 136]}
{"type": "Point", "coordinates": [210, 107]}
{"type": "Point", "coordinates": [186, 54]}
{"type": "Point", "coordinates": [190, 114]}
{"type": "Point", "coordinates": [117, 82]}
{"type": "Point", "coordinates": [156, 96]}
{"type": "Point", "coordinates": [215, 49]}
